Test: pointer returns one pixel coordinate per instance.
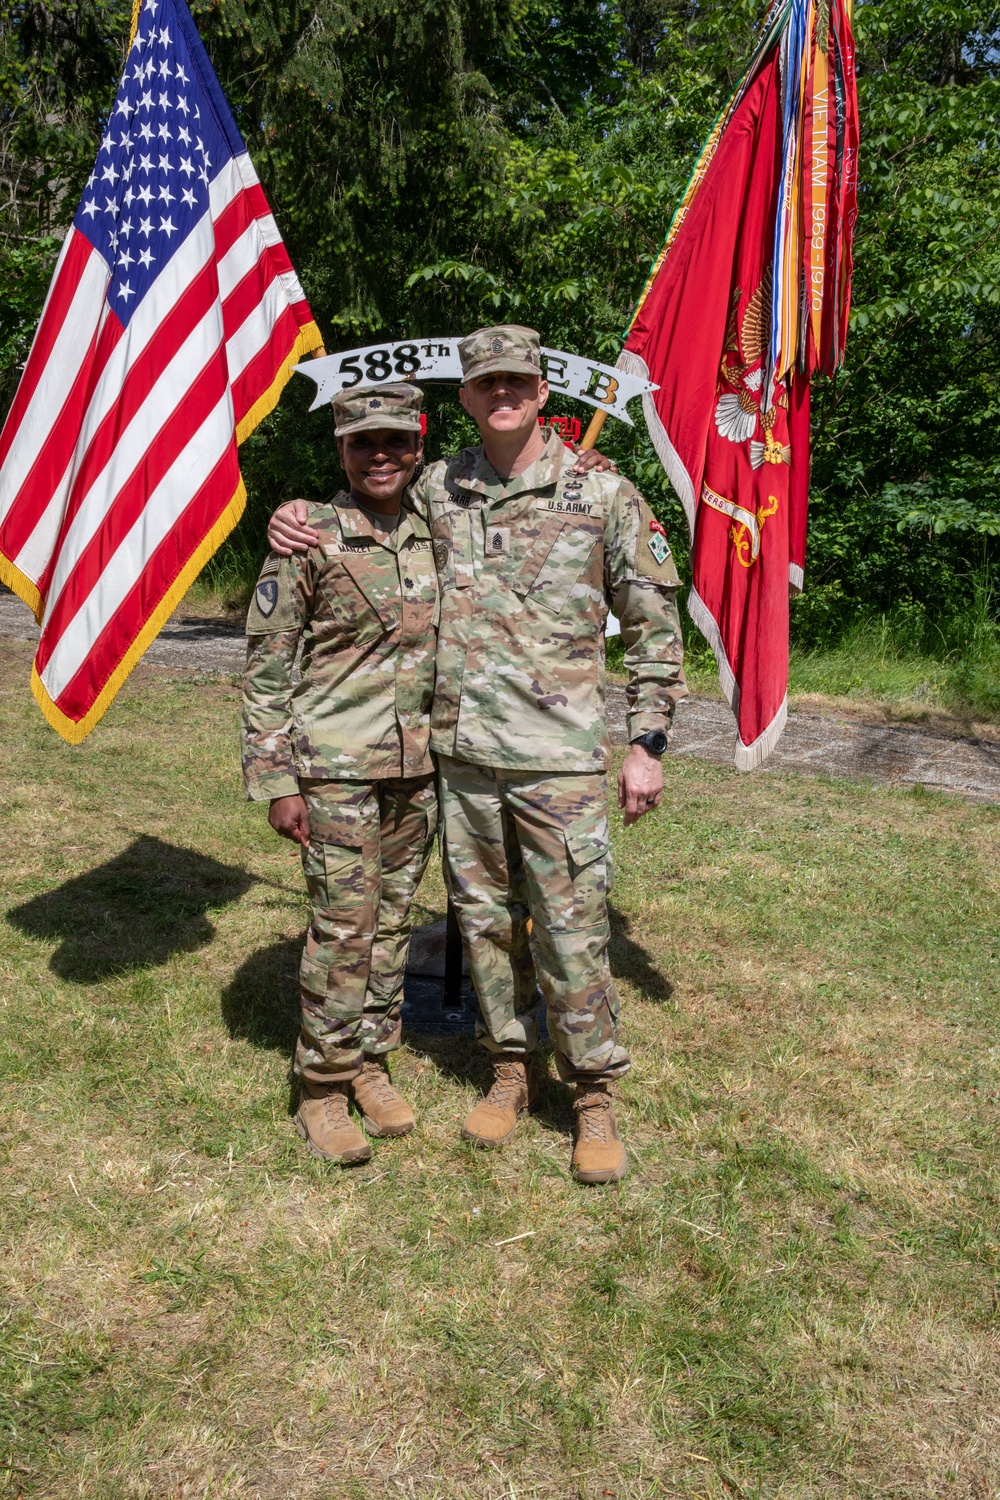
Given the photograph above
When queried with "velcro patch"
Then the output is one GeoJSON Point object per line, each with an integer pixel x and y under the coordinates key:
{"type": "Point", "coordinates": [267, 596]}
{"type": "Point", "coordinates": [498, 541]}
{"type": "Point", "coordinates": [659, 547]}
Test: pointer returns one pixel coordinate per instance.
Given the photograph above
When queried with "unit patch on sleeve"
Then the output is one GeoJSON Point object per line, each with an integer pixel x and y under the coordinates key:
{"type": "Point", "coordinates": [267, 596]}
{"type": "Point", "coordinates": [659, 548]}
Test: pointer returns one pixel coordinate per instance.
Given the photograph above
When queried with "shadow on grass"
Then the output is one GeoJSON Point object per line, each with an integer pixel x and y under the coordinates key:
{"type": "Point", "coordinates": [260, 1005]}
{"type": "Point", "coordinates": [465, 1060]}
{"type": "Point", "coordinates": [134, 912]}
{"type": "Point", "coordinates": [629, 960]}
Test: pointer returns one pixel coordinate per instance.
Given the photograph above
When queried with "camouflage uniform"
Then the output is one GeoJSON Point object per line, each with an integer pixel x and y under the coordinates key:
{"type": "Point", "coordinates": [528, 569]}
{"type": "Point", "coordinates": [351, 735]}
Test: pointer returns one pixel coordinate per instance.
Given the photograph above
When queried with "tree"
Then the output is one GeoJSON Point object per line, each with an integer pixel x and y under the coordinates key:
{"type": "Point", "coordinates": [451, 162]}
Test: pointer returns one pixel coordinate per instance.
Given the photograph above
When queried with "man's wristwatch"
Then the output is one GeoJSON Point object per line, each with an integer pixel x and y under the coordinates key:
{"type": "Point", "coordinates": [654, 740]}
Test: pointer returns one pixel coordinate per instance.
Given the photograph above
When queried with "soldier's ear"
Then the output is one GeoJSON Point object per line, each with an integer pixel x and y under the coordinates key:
{"type": "Point", "coordinates": [543, 393]}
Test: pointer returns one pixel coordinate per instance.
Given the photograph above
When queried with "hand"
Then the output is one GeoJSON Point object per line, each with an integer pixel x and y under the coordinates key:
{"type": "Point", "coordinates": [640, 783]}
{"type": "Point", "coordinates": [289, 817]}
{"type": "Point", "coordinates": [590, 458]}
{"type": "Point", "coordinates": [287, 531]}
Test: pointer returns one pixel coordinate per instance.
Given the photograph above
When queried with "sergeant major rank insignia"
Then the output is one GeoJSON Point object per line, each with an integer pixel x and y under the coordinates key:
{"type": "Point", "coordinates": [267, 596]}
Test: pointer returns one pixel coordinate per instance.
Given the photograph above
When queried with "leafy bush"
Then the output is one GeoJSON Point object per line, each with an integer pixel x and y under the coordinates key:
{"type": "Point", "coordinates": [453, 162]}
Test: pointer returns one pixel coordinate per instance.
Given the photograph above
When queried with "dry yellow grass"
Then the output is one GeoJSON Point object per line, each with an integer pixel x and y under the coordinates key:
{"type": "Point", "coordinates": [794, 1293]}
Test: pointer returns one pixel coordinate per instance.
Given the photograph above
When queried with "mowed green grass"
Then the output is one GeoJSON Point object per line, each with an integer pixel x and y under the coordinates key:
{"type": "Point", "coordinates": [794, 1293]}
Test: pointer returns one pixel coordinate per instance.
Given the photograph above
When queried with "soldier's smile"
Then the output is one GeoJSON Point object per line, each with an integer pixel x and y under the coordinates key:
{"type": "Point", "coordinates": [379, 464]}
{"type": "Point", "coordinates": [503, 401]}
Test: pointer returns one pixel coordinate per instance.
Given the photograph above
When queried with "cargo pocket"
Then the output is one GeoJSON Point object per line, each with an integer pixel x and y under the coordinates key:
{"type": "Point", "coordinates": [589, 855]}
{"type": "Point", "coordinates": [562, 566]}
{"type": "Point", "coordinates": [335, 879]}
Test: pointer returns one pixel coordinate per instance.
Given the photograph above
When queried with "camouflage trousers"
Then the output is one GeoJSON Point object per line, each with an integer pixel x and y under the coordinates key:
{"type": "Point", "coordinates": [369, 843]}
{"type": "Point", "coordinates": [520, 844]}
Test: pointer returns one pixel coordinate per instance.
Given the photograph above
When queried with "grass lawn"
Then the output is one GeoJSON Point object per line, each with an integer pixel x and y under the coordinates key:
{"type": "Point", "coordinates": [794, 1293]}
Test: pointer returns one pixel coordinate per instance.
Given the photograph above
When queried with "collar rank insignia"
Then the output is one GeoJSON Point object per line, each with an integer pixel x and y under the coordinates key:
{"type": "Point", "coordinates": [267, 596]}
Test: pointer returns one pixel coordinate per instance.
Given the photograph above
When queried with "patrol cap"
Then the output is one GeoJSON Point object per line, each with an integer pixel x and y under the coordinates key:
{"type": "Point", "coordinates": [510, 348]}
{"type": "Point", "coordinates": [362, 408]}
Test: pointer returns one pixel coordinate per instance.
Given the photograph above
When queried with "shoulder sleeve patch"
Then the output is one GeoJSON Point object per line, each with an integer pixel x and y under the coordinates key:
{"type": "Point", "coordinates": [275, 606]}
{"type": "Point", "coordinates": [654, 559]}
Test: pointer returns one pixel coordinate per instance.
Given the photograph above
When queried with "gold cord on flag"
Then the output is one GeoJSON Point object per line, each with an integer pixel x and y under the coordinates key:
{"type": "Point", "coordinates": [136, 8]}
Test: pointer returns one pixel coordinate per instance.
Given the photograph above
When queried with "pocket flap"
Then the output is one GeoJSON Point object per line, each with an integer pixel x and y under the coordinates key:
{"type": "Point", "coordinates": [587, 840]}
{"type": "Point", "coordinates": [377, 581]}
{"type": "Point", "coordinates": [564, 562]}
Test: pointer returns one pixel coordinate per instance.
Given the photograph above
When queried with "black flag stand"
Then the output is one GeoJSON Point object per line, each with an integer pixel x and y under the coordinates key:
{"type": "Point", "coordinates": [452, 963]}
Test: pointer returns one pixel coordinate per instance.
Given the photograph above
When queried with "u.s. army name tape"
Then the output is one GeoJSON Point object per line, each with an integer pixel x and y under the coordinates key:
{"type": "Point", "coordinates": [602, 386]}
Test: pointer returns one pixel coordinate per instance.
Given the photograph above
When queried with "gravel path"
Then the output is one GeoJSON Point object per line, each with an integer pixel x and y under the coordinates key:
{"type": "Point", "coordinates": [812, 744]}
{"type": "Point", "coordinates": [816, 744]}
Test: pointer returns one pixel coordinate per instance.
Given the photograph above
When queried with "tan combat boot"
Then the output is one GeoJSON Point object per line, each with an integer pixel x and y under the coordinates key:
{"type": "Point", "coordinates": [494, 1119]}
{"type": "Point", "coordinates": [385, 1110]}
{"type": "Point", "coordinates": [598, 1154]}
{"type": "Point", "coordinates": [324, 1123]}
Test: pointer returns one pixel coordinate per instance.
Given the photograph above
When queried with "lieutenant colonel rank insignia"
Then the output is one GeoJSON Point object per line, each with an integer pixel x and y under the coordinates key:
{"type": "Point", "coordinates": [659, 548]}
{"type": "Point", "coordinates": [267, 596]}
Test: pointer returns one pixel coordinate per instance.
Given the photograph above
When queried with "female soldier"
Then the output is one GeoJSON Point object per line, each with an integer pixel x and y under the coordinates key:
{"type": "Point", "coordinates": [342, 755]}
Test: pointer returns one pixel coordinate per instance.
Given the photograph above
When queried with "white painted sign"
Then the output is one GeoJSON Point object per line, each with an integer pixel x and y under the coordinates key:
{"type": "Point", "coordinates": [602, 386]}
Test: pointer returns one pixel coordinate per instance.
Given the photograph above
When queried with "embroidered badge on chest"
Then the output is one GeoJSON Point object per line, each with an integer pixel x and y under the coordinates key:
{"type": "Point", "coordinates": [659, 548]}
{"type": "Point", "coordinates": [570, 499]}
{"type": "Point", "coordinates": [267, 596]}
{"type": "Point", "coordinates": [498, 541]}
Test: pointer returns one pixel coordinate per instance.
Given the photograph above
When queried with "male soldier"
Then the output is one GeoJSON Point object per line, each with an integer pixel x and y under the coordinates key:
{"type": "Point", "coordinates": [530, 554]}
{"type": "Point", "coordinates": [343, 757]}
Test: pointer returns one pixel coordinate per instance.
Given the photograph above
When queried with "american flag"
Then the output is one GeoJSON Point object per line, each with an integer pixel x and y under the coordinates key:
{"type": "Point", "coordinates": [169, 330]}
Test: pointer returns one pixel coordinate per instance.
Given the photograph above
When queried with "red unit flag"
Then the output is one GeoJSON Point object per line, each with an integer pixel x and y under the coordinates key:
{"type": "Point", "coordinates": [748, 297]}
{"type": "Point", "coordinates": [169, 330]}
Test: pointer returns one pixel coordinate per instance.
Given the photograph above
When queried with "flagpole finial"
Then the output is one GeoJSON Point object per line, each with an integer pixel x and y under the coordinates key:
{"type": "Point", "coordinates": [136, 9]}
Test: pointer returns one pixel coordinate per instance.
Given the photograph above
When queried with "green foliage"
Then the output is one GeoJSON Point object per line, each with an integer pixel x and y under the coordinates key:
{"type": "Point", "coordinates": [58, 63]}
{"type": "Point", "coordinates": [452, 162]}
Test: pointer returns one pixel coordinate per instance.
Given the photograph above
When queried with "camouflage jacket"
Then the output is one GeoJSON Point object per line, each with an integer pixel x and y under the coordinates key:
{"type": "Point", "coordinates": [528, 571]}
{"type": "Point", "coordinates": [365, 613]}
